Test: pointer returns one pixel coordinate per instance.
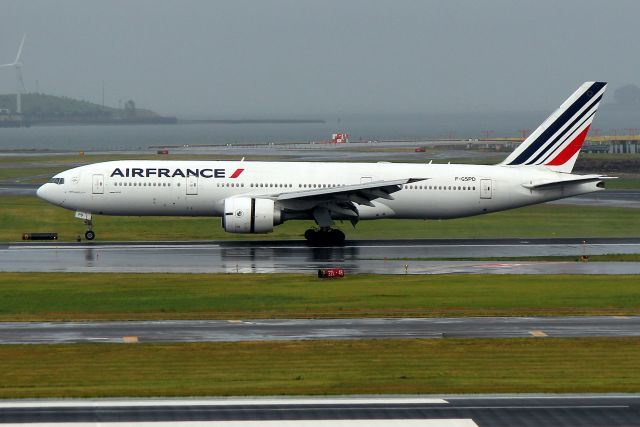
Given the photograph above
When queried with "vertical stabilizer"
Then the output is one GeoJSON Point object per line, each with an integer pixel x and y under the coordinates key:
{"type": "Point", "coordinates": [556, 143]}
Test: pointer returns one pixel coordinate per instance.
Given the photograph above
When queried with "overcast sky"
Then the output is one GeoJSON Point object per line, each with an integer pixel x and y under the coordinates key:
{"type": "Point", "coordinates": [331, 56]}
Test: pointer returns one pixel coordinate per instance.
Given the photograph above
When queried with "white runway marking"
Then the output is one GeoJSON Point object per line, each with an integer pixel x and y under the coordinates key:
{"type": "Point", "coordinates": [292, 423]}
{"type": "Point", "coordinates": [84, 403]}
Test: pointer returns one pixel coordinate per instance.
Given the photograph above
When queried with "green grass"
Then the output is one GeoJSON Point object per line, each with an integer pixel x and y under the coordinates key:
{"type": "Point", "coordinates": [19, 214]}
{"type": "Point", "coordinates": [534, 365]}
{"type": "Point", "coordinates": [14, 174]}
{"type": "Point", "coordinates": [624, 184]}
{"type": "Point", "coordinates": [82, 296]}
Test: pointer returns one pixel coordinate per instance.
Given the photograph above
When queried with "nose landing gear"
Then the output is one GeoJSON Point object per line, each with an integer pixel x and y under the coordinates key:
{"type": "Point", "coordinates": [86, 217]}
{"type": "Point", "coordinates": [324, 236]}
{"type": "Point", "coordinates": [89, 234]}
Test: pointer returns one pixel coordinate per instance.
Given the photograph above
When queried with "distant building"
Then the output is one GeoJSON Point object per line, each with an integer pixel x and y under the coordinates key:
{"type": "Point", "coordinates": [339, 138]}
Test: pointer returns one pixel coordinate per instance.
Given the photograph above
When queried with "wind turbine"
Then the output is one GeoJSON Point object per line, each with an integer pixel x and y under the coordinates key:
{"type": "Point", "coordinates": [17, 65]}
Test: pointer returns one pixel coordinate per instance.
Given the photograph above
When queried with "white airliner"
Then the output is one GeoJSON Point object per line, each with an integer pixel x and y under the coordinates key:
{"type": "Point", "coordinates": [253, 197]}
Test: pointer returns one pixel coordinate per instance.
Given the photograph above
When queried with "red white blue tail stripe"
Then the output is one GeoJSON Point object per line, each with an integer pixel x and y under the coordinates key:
{"type": "Point", "coordinates": [557, 141]}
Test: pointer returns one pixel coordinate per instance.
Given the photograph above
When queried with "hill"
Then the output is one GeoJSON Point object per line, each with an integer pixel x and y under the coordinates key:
{"type": "Point", "coordinates": [40, 108]}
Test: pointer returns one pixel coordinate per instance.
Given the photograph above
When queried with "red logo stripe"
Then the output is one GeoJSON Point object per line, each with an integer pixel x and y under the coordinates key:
{"type": "Point", "coordinates": [237, 173]}
{"type": "Point", "coordinates": [570, 149]}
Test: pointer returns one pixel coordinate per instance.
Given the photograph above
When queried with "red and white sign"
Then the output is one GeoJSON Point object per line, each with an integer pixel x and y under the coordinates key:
{"type": "Point", "coordinates": [339, 138]}
{"type": "Point", "coordinates": [330, 273]}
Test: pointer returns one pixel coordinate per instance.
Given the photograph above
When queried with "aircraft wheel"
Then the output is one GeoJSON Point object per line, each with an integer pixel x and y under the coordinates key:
{"type": "Point", "coordinates": [316, 237]}
{"type": "Point", "coordinates": [89, 235]}
{"type": "Point", "coordinates": [310, 234]}
{"type": "Point", "coordinates": [336, 237]}
{"type": "Point", "coordinates": [324, 237]}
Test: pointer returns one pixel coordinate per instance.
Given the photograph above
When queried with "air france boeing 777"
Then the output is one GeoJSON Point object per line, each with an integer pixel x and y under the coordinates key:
{"type": "Point", "coordinates": [253, 197]}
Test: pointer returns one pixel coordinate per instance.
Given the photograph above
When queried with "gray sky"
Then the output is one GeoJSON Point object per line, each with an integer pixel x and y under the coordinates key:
{"type": "Point", "coordinates": [275, 58]}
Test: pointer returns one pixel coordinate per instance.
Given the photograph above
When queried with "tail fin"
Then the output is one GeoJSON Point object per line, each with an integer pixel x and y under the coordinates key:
{"type": "Point", "coordinates": [556, 143]}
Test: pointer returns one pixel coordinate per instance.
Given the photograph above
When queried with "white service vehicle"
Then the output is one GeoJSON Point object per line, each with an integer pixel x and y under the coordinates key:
{"type": "Point", "coordinates": [254, 197]}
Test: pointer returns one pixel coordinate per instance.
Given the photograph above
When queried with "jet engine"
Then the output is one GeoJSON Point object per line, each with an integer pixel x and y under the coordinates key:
{"type": "Point", "coordinates": [250, 215]}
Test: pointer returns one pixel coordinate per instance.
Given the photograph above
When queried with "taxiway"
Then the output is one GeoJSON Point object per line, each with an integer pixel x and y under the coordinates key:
{"type": "Point", "coordinates": [317, 329]}
{"type": "Point", "coordinates": [428, 256]}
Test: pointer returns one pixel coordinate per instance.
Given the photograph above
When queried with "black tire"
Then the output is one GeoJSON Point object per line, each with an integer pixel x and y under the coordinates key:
{"type": "Point", "coordinates": [89, 235]}
{"type": "Point", "coordinates": [324, 238]}
{"type": "Point", "coordinates": [336, 237]}
{"type": "Point", "coordinates": [310, 234]}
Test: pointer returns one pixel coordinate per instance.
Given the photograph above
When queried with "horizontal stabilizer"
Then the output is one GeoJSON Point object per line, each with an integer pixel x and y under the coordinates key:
{"type": "Point", "coordinates": [543, 185]}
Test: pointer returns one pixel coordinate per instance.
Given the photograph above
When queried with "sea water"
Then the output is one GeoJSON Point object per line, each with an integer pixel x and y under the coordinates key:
{"type": "Point", "coordinates": [361, 127]}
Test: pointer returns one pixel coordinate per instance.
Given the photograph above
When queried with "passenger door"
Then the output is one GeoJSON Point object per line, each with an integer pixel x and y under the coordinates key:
{"type": "Point", "coordinates": [192, 185]}
{"type": "Point", "coordinates": [486, 188]}
{"type": "Point", "coordinates": [98, 184]}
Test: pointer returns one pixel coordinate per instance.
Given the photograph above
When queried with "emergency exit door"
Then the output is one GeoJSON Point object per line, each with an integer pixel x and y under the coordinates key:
{"type": "Point", "coordinates": [98, 184]}
{"type": "Point", "coordinates": [486, 188]}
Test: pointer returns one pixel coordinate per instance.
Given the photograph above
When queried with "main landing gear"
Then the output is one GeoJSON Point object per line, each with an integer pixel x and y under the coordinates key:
{"type": "Point", "coordinates": [324, 236]}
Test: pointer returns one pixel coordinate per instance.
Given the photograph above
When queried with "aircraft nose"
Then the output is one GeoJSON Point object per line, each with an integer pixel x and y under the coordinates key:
{"type": "Point", "coordinates": [51, 194]}
{"type": "Point", "coordinates": [42, 192]}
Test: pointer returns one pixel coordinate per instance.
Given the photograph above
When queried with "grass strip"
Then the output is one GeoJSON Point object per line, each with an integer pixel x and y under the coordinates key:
{"type": "Point", "coordinates": [11, 174]}
{"type": "Point", "coordinates": [533, 365]}
{"type": "Point", "coordinates": [623, 184]}
{"type": "Point", "coordinates": [21, 214]}
{"type": "Point", "coordinates": [113, 296]}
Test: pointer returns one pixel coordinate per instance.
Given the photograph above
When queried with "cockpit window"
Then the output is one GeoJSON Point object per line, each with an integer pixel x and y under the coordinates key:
{"type": "Point", "coordinates": [57, 180]}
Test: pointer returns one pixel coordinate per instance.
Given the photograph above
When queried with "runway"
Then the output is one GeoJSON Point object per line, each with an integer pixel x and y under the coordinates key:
{"type": "Point", "coordinates": [428, 411]}
{"type": "Point", "coordinates": [316, 329]}
{"type": "Point", "coordinates": [426, 256]}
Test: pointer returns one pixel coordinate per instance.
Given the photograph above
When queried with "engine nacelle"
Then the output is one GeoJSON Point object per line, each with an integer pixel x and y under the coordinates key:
{"type": "Point", "coordinates": [249, 215]}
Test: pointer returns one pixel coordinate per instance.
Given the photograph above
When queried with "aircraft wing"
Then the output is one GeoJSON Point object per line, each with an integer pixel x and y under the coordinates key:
{"type": "Point", "coordinates": [360, 193]}
{"type": "Point", "coordinates": [330, 203]}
